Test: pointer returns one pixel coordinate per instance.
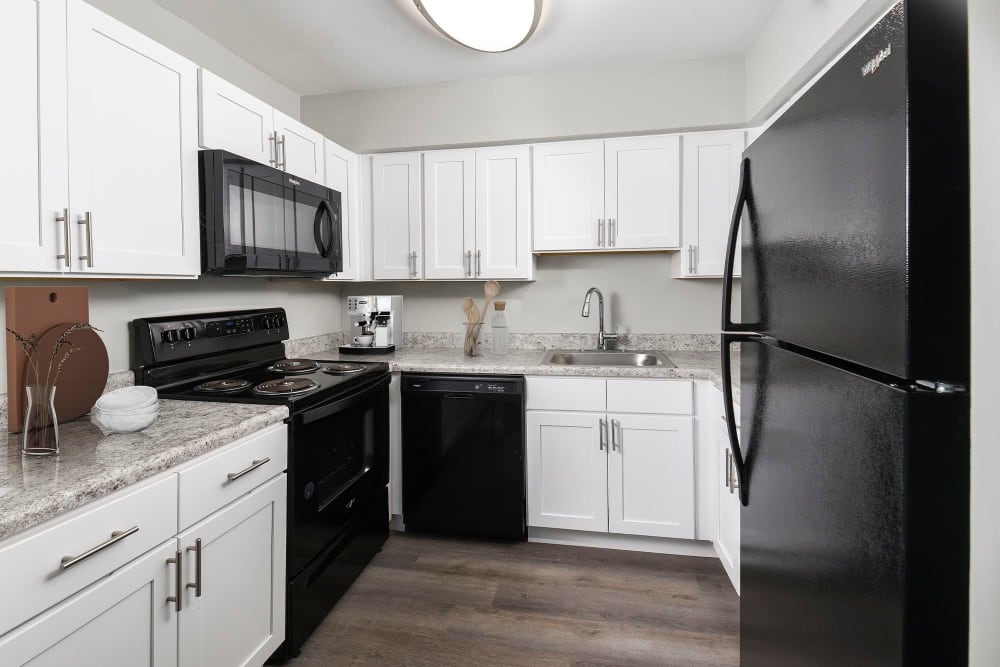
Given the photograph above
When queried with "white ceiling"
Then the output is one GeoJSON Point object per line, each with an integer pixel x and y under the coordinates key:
{"type": "Point", "coordinates": [323, 46]}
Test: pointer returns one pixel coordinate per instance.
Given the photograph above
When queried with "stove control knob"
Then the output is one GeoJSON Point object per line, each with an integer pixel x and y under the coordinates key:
{"type": "Point", "coordinates": [170, 336]}
{"type": "Point", "coordinates": [188, 333]}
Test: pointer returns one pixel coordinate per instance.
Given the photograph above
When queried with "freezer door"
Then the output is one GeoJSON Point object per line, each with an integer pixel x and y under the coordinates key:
{"type": "Point", "coordinates": [854, 542]}
{"type": "Point", "coordinates": [848, 246]}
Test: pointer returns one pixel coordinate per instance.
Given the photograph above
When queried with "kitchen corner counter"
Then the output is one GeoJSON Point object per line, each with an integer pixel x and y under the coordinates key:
{"type": "Point", "coordinates": [91, 465]}
{"type": "Point", "coordinates": [691, 364]}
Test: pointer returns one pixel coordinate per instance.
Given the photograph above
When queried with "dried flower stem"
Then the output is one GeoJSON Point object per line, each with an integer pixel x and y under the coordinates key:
{"type": "Point", "coordinates": [30, 346]}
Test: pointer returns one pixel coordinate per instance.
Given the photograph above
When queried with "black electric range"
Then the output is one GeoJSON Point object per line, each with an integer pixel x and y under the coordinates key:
{"type": "Point", "coordinates": [338, 439]}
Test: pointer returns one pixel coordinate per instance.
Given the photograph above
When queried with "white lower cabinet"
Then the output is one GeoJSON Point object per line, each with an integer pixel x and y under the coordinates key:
{"type": "Point", "coordinates": [113, 583]}
{"type": "Point", "coordinates": [234, 572]}
{"type": "Point", "coordinates": [567, 471]}
{"type": "Point", "coordinates": [618, 472]}
{"type": "Point", "coordinates": [727, 541]}
{"type": "Point", "coordinates": [123, 620]}
{"type": "Point", "coordinates": [651, 476]}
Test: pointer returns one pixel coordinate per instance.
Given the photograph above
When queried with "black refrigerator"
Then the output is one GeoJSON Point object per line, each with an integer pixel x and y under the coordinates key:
{"type": "Point", "coordinates": [853, 453]}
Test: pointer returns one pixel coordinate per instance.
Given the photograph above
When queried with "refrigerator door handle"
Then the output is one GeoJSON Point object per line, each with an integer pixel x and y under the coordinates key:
{"type": "Point", "coordinates": [741, 482]}
{"type": "Point", "coordinates": [742, 197]}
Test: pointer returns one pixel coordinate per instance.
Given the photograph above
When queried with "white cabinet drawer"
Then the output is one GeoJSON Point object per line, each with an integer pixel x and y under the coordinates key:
{"type": "Point", "coordinates": [221, 477]}
{"type": "Point", "coordinates": [655, 397]}
{"type": "Point", "coordinates": [33, 574]}
{"type": "Point", "coordinates": [576, 394]}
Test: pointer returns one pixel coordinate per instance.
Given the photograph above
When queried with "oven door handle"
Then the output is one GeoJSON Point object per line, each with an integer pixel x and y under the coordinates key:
{"type": "Point", "coordinates": [324, 411]}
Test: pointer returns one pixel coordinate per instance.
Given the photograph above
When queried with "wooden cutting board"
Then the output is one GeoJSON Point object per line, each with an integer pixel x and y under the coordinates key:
{"type": "Point", "coordinates": [84, 375]}
{"type": "Point", "coordinates": [35, 310]}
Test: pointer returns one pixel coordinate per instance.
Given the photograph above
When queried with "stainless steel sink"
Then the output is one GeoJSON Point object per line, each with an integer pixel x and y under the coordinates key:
{"type": "Point", "coordinates": [639, 358]}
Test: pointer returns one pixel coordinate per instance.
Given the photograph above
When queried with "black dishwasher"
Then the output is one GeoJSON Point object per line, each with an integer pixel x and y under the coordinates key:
{"type": "Point", "coordinates": [463, 455]}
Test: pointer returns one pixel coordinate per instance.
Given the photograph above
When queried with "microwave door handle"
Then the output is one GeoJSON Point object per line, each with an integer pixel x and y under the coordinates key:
{"type": "Point", "coordinates": [322, 211]}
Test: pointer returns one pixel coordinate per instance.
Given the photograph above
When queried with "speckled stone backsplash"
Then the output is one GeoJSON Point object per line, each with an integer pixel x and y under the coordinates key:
{"type": "Point", "coordinates": [573, 341]}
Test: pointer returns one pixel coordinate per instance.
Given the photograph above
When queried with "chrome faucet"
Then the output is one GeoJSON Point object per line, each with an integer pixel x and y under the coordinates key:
{"type": "Point", "coordinates": [603, 338]}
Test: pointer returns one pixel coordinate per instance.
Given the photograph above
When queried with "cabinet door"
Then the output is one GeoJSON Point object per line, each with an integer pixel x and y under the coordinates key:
{"type": "Point", "coordinates": [133, 145]}
{"type": "Point", "coordinates": [503, 214]}
{"type": "Point", "coordinates": [234, 120]}
{"type": "Point", "coordinates": [342, 176]}
{"type": "Point", "coordinates": [727, 543]}
{"type": "Point", "coordinates": [449, 214]}
{"type": "Point", "coordinates": [567, 471]}
{"type": "Point", "coordinates": [300, 148]}
{"type": "Point", "coordinates": [643, 191]}
{"type": "Point", "coordinates": [33, 44]}
{"type": "Point", "coordinates": [651, 476]}
{"type": "Point", "coordinates": [239, 616]}
{"type": "Point", "coordinates": [123, 620]}
{"type": "Point", "coordinates": [396, 216]}
{"type": "Point", "coordinates": [568, 195]}
{"type": "Point", "coordinates": [711, 180]}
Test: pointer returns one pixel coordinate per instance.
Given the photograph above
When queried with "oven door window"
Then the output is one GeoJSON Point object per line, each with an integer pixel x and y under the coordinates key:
{"type": "Point", "coordinates": [313, 235]}
{"type": "Point", "coordinates": [255, 226]}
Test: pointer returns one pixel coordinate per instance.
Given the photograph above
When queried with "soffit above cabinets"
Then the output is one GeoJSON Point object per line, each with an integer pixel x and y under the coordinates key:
{"type": "Point", "coordinates": [325, 46]}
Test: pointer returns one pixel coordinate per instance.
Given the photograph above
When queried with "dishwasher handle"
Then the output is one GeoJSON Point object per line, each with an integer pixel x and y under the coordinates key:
{"type": "Point", "coordinates": [463, 395]}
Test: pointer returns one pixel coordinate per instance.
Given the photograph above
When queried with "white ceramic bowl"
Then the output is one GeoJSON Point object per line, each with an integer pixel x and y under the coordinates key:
{"type": "Point", "coordinates": [128, 398]}
{"type": "Point", "coordinates": [148, 410]}
{"type": "Point", "coordinates": [117, 423]}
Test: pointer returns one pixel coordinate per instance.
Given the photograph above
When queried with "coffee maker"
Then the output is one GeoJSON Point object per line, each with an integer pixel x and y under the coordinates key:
{"type": "Point", "coordinates": [380, 317]}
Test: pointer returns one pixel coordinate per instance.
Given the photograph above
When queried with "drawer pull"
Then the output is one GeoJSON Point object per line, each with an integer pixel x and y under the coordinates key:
{"type": "Point", "coordinates": [253, 466]}
{"type": "Point", "coordinates": [117, 536]}
{"type": "Point", "coordinates": [197, 568]}
{"type": "Point", "coordinates": [176, 598]}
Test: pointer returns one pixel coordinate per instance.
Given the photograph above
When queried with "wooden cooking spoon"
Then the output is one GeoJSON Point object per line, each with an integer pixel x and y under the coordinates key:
{"type": "Point", "coordinates": [491, 288]}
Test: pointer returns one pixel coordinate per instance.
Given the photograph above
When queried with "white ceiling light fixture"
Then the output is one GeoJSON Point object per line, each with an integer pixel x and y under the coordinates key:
{"type": "Point", "coordinates": [492, 26]}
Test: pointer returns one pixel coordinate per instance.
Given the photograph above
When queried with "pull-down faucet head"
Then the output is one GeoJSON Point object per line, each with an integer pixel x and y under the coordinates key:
{"type": "Point", "coordinates": [586, 303]}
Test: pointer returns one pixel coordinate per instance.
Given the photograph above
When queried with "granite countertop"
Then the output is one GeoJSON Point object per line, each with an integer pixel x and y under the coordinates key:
{"type": "Point", "coordinates": [690, 364]}
{"type": "Point", "coordinates": [91, 465]}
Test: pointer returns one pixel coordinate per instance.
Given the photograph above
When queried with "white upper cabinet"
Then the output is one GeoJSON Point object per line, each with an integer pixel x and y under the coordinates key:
{"type": "Point", "coordinates": [133, 143]}
{"type": "Point", "coordinates": [449, 214]}
{"type": "Point", "coordinates": [711, 181]}
{"type": "Point", "coordinates": [621, 194]}
{"type": "Point", "coordinates": [642, 192]}
{"type": "Point", "coordinates": [342, 175]}
{"type": "Point", "coordinates": [651, 476]}
{"type": "Point", "coordinates": [568, 195]}
{"type": "Point", "coordinates": [477, 214]}
{"type": "Point", "coordinates": [33, 44]}
{"type": "Point", "coordinates": [234, 120]}
{"type": "Point", "coordinates": [396, 216]}
{"type": "Point", "coordinates": [299, 148]}
{"type": "Point", "coordinates": [503, 214]}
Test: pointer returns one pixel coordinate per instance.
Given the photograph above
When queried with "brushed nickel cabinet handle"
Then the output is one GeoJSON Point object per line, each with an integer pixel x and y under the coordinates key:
{"type": "Point", "coordinates": [612, 232]}
{"type": "Point", "coordinates": [467, 264]}
{"type": "Point", "coordinates": [413, 264]}
{"type": "Point", "coordinates": [88, 221]}
{"type": "Point", "coordinates": [479, 263]}
{"type": "Point", "coordinates": [604, 435]}
{"type": "Point", "coordinates": [600, 232]}
{"type": "Point", "coordinates": [616, 435]}
{"type": "Point", "coordinates": [116, 537]}
{"type": "Point", "coordinates": [197, 568]}
{"type": "Point", "coordinates": [280, 153]}
{"type": "Point", "coordinates": [734, 482]}
{"type": "Point", "coordinates": [692, 253]}
{"type": "Point", "coordinates": [177, 597]}
{"type": "Point", "coordinates": [272, 139]}
{"type": "Point", "coordinates": [64, 218]}
{"type": "Point", "coordinates": [256, 463]}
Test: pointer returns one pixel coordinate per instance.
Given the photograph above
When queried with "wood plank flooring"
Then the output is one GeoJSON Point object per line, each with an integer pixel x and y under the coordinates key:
{"type": "Point", "coordinates": [437, 602]}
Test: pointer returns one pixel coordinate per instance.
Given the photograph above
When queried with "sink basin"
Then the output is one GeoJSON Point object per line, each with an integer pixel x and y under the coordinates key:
{"type": "Point", "coordinates": [639, 358]}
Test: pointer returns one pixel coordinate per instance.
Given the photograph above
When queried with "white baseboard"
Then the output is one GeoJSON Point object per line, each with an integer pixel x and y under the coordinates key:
{"type": "Point", "coordinates": [656, 545]}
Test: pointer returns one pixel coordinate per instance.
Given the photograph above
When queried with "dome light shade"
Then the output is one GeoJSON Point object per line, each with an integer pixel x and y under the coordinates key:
{"type": "Point", "coordinates": [492, 26]}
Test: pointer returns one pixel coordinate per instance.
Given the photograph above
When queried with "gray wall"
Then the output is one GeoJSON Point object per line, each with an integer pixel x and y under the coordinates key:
{"type": "Point", "coordinates": [588, 102]}
{"type": "Point", "coordinates": [640, 297]}
{"type": "Point", "coordinates": [984, 47]}
{"type": "Point", "coordinates": [175, 33]}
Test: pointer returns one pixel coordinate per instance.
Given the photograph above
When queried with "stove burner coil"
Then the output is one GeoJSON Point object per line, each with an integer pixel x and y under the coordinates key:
{"type": "Point", "coordinates": [293, 366]}
{"type": "Point", "coordinates": [223, 386]}
{"type": "Point", "coordinates": [343, 368]}
{"type": "Point", "coordinates": [286, 387]}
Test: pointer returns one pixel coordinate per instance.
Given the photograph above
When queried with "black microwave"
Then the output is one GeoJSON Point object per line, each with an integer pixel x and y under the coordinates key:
{"type": "Point", "coordinates": [258, 220]}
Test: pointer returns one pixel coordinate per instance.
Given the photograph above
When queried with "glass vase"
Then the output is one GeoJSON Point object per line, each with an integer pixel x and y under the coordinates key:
{"type": "Point", "coordinates": [41, 427]}
{"type": "Point", "coordinates": [472, 331]}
